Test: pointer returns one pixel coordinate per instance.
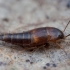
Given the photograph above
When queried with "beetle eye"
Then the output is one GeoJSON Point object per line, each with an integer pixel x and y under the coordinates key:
{"type": "Point", "coordinates": [61, 36]}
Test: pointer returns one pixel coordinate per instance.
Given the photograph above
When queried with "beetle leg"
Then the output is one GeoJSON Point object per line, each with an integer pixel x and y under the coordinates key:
{"type": "Point", "coordinates": [61, 48]}
{"type": "Point", "coordinates": [39, 46]}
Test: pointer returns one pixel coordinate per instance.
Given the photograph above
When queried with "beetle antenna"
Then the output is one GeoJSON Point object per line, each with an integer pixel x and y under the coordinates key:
{"type": "Point", "coordinates": [67, 35]}
{"type": "Point", "coordinates": [66, 26]}
{"type": "Point", "coordinates": [65, 29]}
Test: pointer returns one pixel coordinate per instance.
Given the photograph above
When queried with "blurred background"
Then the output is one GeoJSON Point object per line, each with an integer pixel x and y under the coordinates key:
{"type": "Point", "coordinates": [23, 15]}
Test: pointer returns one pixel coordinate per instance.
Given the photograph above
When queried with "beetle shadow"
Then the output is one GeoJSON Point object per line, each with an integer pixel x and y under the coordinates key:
{"type": "Point", "coordinates": [11, 46]}
{"type": "Point", "coordinates": [38, 48]}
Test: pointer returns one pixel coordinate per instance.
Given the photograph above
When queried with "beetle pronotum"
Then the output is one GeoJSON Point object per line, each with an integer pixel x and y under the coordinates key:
{"type": "Point", "coordinates": [35, 37]}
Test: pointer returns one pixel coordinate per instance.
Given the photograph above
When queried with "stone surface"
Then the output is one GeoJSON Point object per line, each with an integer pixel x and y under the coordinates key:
{"type": "Point", "coordinates": [23, 15]}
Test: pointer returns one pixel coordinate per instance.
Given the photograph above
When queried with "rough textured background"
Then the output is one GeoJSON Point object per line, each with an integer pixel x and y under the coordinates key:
{"type": "Point", "coordinates": [23, 15]}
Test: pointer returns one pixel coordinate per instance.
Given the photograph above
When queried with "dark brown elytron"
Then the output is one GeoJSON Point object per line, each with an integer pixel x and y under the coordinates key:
{"type": "Point", "coordinates": [34, 37]}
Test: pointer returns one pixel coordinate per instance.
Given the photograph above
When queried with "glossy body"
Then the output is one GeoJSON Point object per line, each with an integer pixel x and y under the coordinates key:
{"type": "Point", "coordinates": [34, 37]}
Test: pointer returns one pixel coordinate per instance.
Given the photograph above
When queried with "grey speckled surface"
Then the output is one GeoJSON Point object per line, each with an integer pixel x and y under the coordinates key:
{"type": "Point", "coordinates": [23, 15]}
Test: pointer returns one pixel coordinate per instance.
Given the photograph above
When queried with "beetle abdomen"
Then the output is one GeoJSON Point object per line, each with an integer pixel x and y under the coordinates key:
{"type": "Point", "coordinates": [17, 38]}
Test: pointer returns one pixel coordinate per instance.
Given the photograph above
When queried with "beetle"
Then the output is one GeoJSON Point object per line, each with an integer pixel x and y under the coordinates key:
{"type": "Point", "coordinates": [35, 37]}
